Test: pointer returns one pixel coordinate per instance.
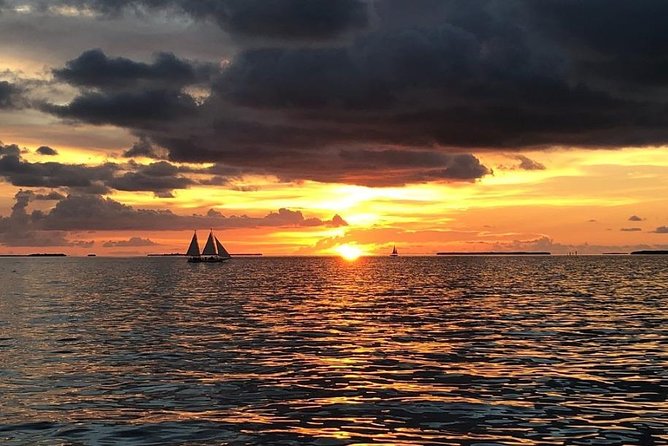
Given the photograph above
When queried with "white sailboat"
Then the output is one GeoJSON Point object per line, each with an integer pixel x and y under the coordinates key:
{"type": "Point", "coordinates": [213, 252]}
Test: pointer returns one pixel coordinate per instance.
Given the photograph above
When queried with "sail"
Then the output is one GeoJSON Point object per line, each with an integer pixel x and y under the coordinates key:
{"type": "Point", "coordinates": [221, 249]}
{"type": "Point", "coordinates": [394, 250]}
{"type": "Point", "coordinates": [193, 249]}
{"type": "Point", "coordinates": [209, 248]}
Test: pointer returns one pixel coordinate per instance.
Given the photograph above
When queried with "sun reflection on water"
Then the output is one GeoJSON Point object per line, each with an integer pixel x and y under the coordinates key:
{"type": "Point", "coordinates": [349, 252]}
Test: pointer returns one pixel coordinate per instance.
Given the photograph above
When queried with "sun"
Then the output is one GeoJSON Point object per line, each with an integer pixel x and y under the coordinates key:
{"type": "Point", "coordinates": [349, 252]}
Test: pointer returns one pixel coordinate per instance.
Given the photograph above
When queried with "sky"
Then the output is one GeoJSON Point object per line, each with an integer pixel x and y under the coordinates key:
{"type": "Point", "coordinates": [312, 127]}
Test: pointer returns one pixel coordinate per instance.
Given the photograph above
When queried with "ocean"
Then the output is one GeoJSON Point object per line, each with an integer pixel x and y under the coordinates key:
{"type": "Point", "coordinates": [321, 351]}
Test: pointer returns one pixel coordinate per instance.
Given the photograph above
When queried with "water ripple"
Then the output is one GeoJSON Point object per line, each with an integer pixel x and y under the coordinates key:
{"type": "Point", "coordinates": [287, 351]}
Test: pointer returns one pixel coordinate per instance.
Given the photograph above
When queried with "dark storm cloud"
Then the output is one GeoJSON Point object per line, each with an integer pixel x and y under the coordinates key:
{"type": "Point", "coordinates": [9, 94]}
{"type": "Point", "coordinates": [46, 151]}
{"type": "Point", "coordinates": [610, 39]}
{"type": "Point", "coordinates": [9, 149]}
{"type": "Point", "coordinates": [283, 19]}
{"type": "Point", "coordinates": [142, 148]}
{"type": "Point", "coordinates": [272, 19]}
{"type": "Point", "coordinates": [411, 167]}
{"type": "Point", "coordinates": [447, 76]}
{"type": "Point", "coordinates": [126, 108]}
{"type": "Point", "coordinates": [53, 175]}
{"type": "Point", "coordinates": [94, 69]}
{"type": "Point", "coordinates": [160, 177]}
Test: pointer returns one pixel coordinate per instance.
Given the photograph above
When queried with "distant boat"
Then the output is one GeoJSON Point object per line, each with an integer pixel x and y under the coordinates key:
{"type": "Point", "coordinates": [214, 251]}
{"type": "Point", "coordinates": [394, 252]}
{"type": "Point", "coordinates": [92, 255]}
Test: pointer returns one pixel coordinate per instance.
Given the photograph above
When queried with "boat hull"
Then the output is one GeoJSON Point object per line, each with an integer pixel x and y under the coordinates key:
{"type": "Point", "coordinates": [207, 259]}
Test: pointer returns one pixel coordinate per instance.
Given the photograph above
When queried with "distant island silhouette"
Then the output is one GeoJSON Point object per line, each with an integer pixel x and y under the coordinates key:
{"type": "Point", "coordinates": [649, 252]}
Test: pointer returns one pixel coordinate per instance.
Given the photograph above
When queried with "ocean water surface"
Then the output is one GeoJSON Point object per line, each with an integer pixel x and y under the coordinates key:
{"type": "Point", "coordinates": [320, 351]}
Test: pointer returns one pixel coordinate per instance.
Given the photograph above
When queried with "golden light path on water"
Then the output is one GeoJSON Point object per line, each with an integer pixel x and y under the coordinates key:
{"type": "Point", "coordinates": [292, 351]}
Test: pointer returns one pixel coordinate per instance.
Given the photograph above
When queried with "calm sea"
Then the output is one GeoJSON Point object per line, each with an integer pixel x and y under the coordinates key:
{"type": "Point", "coordinates": [284, 351]}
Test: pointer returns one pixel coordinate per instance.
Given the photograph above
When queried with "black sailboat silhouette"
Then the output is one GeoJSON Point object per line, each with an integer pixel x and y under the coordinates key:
{"type": "Point", "coordinates": [394, 252]}
{"type": "Point", "coordinates": [213, 252]}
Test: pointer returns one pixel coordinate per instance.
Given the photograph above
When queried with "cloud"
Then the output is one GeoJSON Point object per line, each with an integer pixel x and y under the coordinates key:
{"type": "Point", "coordinates": [90, 212]}
{"type": "Point", "coordinates": [528, 164]}
{"type": "Point", "coordinates": [635, 218]}
{"type": "Point", "coordinates": [308, 79]}
{"type": "Point", "coordinates": [159, 177]}
{"type": "Point", "coordinates": [17, 229]}
{"type": "Point", "coordinates": [661, 230]}
{"type": "Point", "coordinates": [9, 94]}
{"type": "Point", "coordinates": [94, 69]}
{"type": "Point", "coordinates": [9, 149]}
{"type": "Point", "coordinates": [46, 151]}
{"type": "Point", "coordinates": [53, 175]}
{"type": "Point", "coordinates": [126, 108]}
{"type": "Point", "coordinates": [133, 242]}
{"type": "Point", "coordinates": [631, 229]}
{"type": "Point", "coordinates": [96, 213]}
{"type": "Point", "coordinates": [271, 19]}
{"type": "Point", "coordinates": [142, 148]}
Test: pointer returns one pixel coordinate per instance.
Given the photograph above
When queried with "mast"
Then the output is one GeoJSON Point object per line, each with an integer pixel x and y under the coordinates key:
{"type": "Point", "coordinates": [394, 250]}
{"type": "Point", "coordinates": [222, 252]}
{"type": "Point", "coordinates": [193, 249]}
{"type": "Point", "coordinates": [209, 248]}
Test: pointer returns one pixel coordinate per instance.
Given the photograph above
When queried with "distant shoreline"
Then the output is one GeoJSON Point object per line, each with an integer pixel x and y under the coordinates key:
{"type": "Point", "coordinates": [34, 255]}
{"type": "Point", "coordinates": [649, 253]}
{"type": "Point", "coordinates": [495, 253]}
{"type": "Point", "coordinates": [184, 255]}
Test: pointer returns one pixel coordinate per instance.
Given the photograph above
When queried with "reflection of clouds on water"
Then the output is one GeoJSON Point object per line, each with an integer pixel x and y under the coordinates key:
{"type": "Point", "coordinates": [306, 350]}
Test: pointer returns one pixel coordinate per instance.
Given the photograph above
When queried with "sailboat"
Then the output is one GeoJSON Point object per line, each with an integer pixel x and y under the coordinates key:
{"type": "Point", "coordinates": [214, 251]}
{"type": "Point", "coordinates": [394, 252]}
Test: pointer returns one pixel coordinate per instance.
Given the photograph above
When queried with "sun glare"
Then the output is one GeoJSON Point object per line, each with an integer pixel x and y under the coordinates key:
{"type": "Point", "coordinates": [349, 252]}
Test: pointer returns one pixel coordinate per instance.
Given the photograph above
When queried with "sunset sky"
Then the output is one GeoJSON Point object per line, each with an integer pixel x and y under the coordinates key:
{"type": "Point", "coordinates": [295, 127]}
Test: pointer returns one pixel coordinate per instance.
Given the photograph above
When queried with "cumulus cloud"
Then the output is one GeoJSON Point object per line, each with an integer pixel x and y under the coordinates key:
{"type": "Point", "coordinates": [53, 175]}
{"type": "Point", "coordinates": [93, 212]}
{"type": "Point", "coordinates": [528, 164]}
{"type": "Point", "coordinates": [9, 149]}
{"type": "Point", "coordinates": [94, 69]}
{"type": "Point", "coordinates": [17, 229]}
{"type": "Point", "coordinates": [159, 177]}
{"type": "Point", "coordinates": [46, 151]}
{"type": "Point", "coordinates": [142, 148]}
{"type": "Point", "coordinates": [96, 213]}
{"type": "Point", "coordinates": [132, 242]}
